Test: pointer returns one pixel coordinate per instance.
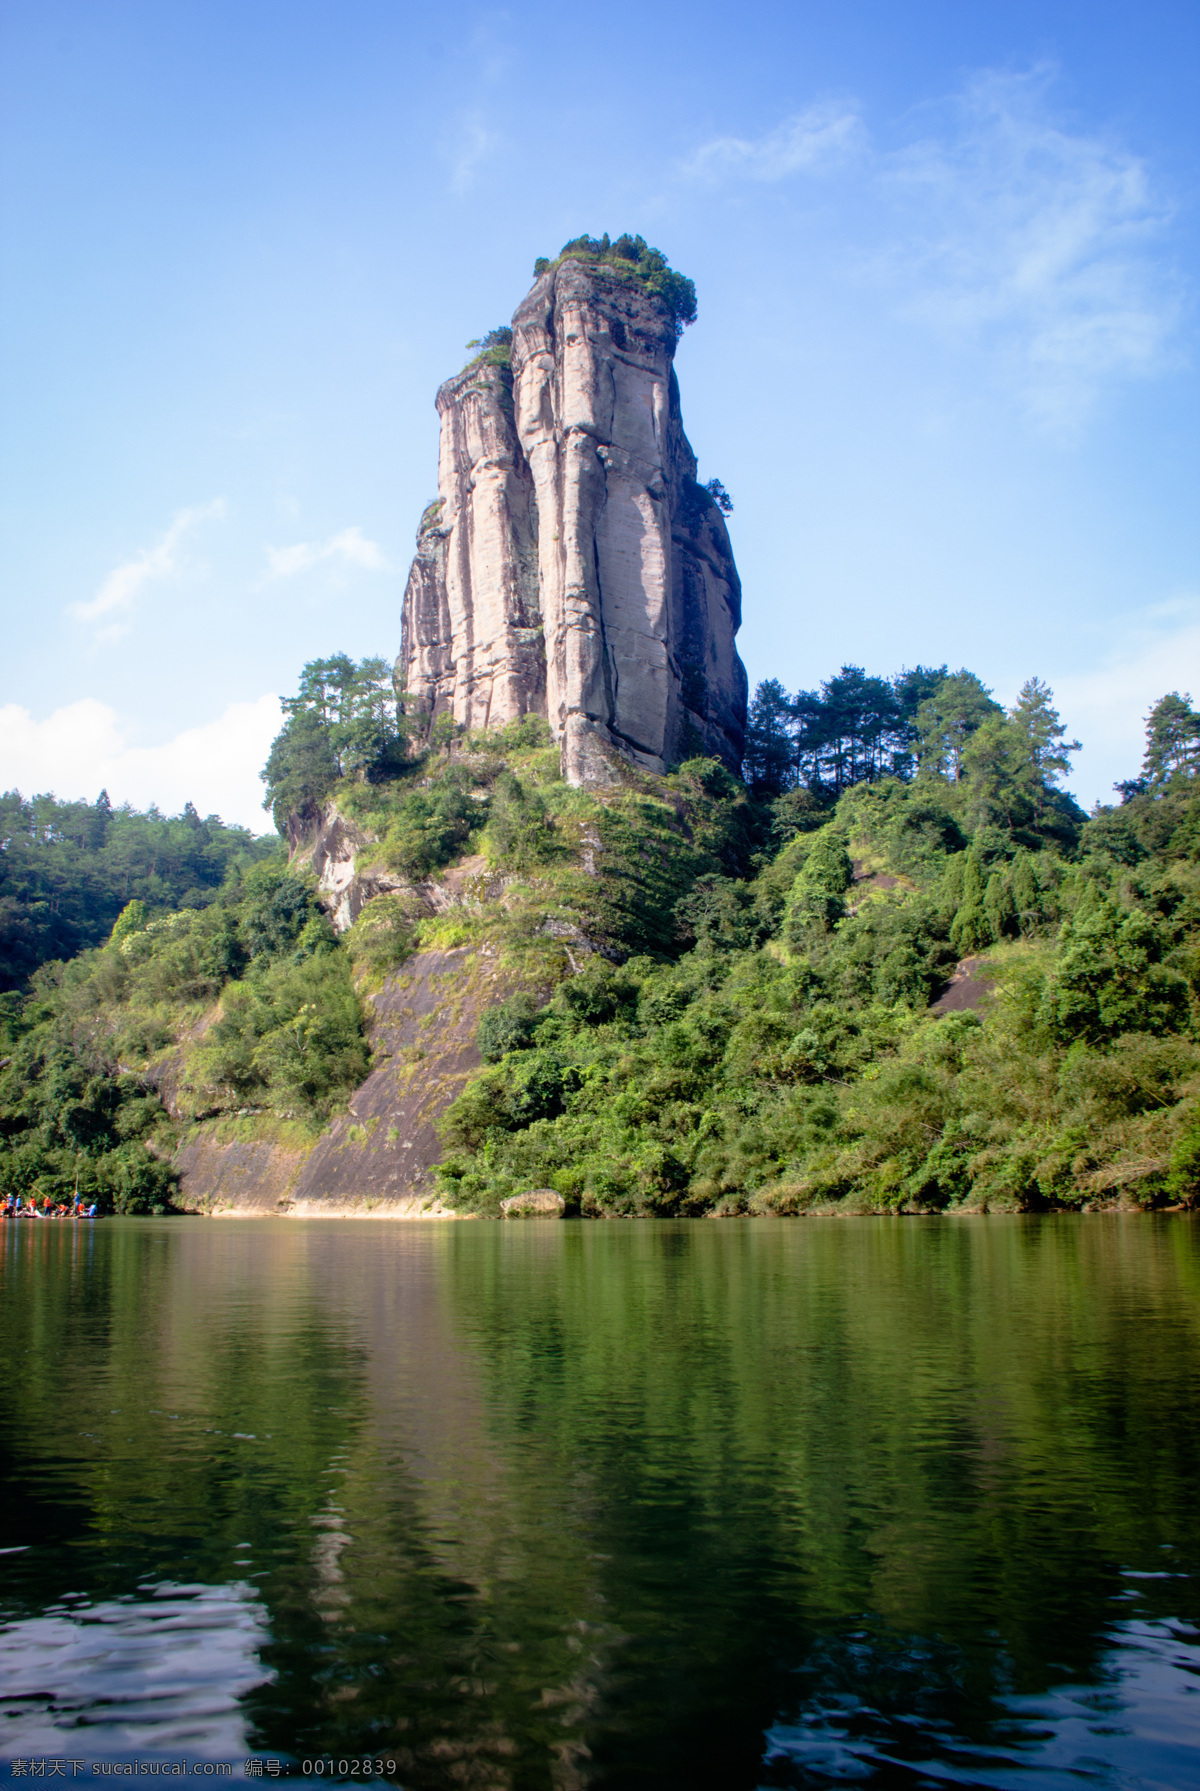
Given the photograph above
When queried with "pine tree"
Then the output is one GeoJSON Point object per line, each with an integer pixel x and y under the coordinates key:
{"type": "Point", "coordinates": [1172, 740]}
{"type": "Point", "coordinates": [1026, 892]}
{"type": "Point", "coordinates": [972, 928]}
{"type": "Point", "coordinates": [946, 720]}
{"type": "Point", "coordinates": [1042, 744]}
{"type": "Point", "coordinates": [815, 902]}
{"type": "Point", "coordinates": [992, 767]}
{"type": "Point", "coordinates": [769, 750]}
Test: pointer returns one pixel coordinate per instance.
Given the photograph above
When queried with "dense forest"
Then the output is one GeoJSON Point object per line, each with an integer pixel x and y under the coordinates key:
{"type": "Point", "coordinates": [785, 1056]}
{"type": "Point", "coordinates": [68, 868]}
{"type": "Point", "coordinates": [896, 968]}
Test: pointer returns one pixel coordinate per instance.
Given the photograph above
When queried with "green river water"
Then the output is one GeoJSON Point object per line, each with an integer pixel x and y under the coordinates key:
{"type": "Point", "coordinates": [555, 1505]}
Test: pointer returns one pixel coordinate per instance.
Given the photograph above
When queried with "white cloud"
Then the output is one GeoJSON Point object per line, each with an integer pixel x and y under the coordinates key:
{"type": "Point", "coordinates": [473, 145]}
{"type": "Point", "coordinates": [1106, 707]}
{"type": "Point", "coordinates": [351, 546]}
{"type": "Point", "coordinates": [809, 140]}
{"type": "Point", "coordinates": [120, 589]}
{"type": "Point", "coordinates": [85, 747]}
{"type": "Point", "coordinates": [1005, 230]}
{"type": "Point", "coordinates": [1035, 241]}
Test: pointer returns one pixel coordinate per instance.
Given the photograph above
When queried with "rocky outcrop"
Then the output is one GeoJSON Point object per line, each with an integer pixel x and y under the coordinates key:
{"type": "Point", "coordinates": [247, 1177]}
{"type": "Point", "coordinates": [330, 847]}
{"type": "Point", "coordinates": [572, 566]}
{"type": "Point", "coordinates": [539, 1203]}
{"type": "Point", "coordinates": [381, 1155]}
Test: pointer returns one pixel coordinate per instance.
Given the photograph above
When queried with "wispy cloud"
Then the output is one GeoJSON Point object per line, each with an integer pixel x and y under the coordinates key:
{"type": "Point", "coordinates": [1151, 653]}
{"type": "Point", "coordinates": [86, 746]}
{"type": "Point", "coordinates": [1035, 240]}
{"type": "Point", "coordinates": [1002, 228]}
{"type": "Point", "coordinates": [351, 546]}
{"type": "Point", "coordinates": [120, 590]}
{"type": "Point", "coordinates": [809, 140]}
{"type": "Point", "coordinates": [473, 144]}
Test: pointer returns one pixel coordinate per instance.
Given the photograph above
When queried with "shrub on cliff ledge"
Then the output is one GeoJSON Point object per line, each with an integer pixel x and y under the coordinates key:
{"type": "Point", "coordinates": [493, 349]}
{"type": "Point", "coordinates": [632, 258]}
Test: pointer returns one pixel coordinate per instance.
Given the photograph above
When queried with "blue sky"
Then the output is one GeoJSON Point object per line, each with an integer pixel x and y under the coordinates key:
{"type": "Point", "coordinates": [945, 362]}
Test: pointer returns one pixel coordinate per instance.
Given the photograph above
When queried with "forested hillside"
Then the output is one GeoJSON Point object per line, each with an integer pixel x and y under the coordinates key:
{"type": "Point", "coordinates": [68, 868]}
{"type": "Point", "coordinates": [896, 969]}
{"type": "Point", "coordinates": [111, 1055]}
{"type": "Point", "coordinates": [786, 1058]}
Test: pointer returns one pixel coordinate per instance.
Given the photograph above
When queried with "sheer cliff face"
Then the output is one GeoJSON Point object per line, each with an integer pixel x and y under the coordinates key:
{"type": "Point", "coordinates": [472, 624]}
{"type": "Point", "coordinates": [574, 568]}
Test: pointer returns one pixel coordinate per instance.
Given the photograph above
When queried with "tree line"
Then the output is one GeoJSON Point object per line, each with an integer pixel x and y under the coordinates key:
{"type": "Point", "coordinates": [68, 868]}
{"type": "Point", "coordinates": [923, 723]}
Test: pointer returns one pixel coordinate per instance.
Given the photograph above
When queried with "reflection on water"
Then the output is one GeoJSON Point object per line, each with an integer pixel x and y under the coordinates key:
{"type": "Point", "coordinates": [551, 1505]}
{"type": "Point", "coordinates": [132, 1676]}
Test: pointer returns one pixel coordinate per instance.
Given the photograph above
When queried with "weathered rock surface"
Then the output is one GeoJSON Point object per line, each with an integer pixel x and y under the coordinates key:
{"type": "Point", "coordinates": [572, 566]}
{"type": "Point", "coordinates": [472, 621]}
{"type": "Point", "coordinates": [539, 1203]}
{"type": "Point", "coordinates": [423, 1036]}
{"type": "Point", "coordinates": [251, 1177]}
{"type": "Point", "coordinates": [378, 1158]}
{"type": "Point", "coordinates": [331, 848]}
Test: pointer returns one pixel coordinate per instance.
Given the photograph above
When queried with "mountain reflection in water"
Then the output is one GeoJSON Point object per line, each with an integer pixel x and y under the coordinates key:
{"type": "Point", "coordinates": [737, 1504]}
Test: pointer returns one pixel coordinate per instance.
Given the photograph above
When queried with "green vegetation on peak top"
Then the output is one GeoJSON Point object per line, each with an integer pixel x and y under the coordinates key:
{"type": "Point", "coordinates": [633, 259]}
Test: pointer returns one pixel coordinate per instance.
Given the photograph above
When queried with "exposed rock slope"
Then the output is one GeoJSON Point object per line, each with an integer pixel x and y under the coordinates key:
{"type": "Point", "coordinates": [377, 1160]}
{"type": "Point", "coordinates": [572, 566]}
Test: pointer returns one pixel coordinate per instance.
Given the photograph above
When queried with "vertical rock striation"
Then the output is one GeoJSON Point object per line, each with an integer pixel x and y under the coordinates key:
{"type": "Point", "coordinates": [572, 566]}
{"type": "Point", "coordinates": [472, 624]}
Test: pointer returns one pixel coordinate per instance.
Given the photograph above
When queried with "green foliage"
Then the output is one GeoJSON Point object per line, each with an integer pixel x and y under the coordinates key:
{"type": "Point", "coordinates": [734, 986]}
{"type": "Point", "coordinates": [96, 1042]}
{"type": "Point", "coordinates": [133, 918]}
{"type": "Point", "coordinates": [520, 831]}
{"type": "Point", "coordinates": [774, 1050]}
{"type": "Point", "coordinates": [946, 721]}
{"type": "Point", "coordinates": [1111, 975]}
{"type": "Point", "coordinates": [430, 824]}
{"type": "Point", "coordinates": [977, 767]}
{"type": "Point", "coordinates": [631, 258]}
{"type": "Point", "coordinates": [654, 841]}
{"type": "Point", "coordinates": [854, 729]}
{"type": "Point", "coordinates": [70, 870]}
{"type": "Point", "coordinates": [72, 1120]}
{"type": "Point", "coordinates": [290, 1036]}
{"type": "Point", "coordinates": [972, 930]}
{"type": "Point", "coordinates": [385, 934]}
{"type": "Point", "coordinates": [814, 903]}
{"type": "Point", "coordinates": [346, 720]}
{"type": "Point", "coordinates": [509, 1026]}
{"type": "Point", "coordinates": [493, 349]}
{"type": "Point", "coordinates": [301, 769]}
{"type": "Point", "coordinates": [1172, 741]}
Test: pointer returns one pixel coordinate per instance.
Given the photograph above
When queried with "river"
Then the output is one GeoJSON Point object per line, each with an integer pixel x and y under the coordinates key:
{"type": "Point", "coordinates": [881, 1502]}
